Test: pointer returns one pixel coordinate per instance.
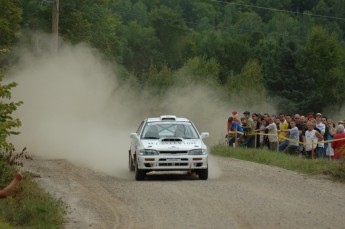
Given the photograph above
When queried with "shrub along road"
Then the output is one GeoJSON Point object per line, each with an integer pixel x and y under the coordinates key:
{"type": "Point", "coordinates": [243, 195]}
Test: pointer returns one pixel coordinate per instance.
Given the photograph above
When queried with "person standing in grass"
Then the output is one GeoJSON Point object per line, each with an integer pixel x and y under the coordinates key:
{"type": "Point", "coordinates": [310, 139]}
{"type": "Point", "coordinates": [249, 141]}
{"type": "Point", "coordinates": [234, 131]}
{"type": "Point", "coordinates": [331, 132]}
{"type": "Point", "coordinates": [272, 134]}
{"type": "Point", "coordinates": [339, 145]}
{"type": "Point", "coordinates": [294, 138]}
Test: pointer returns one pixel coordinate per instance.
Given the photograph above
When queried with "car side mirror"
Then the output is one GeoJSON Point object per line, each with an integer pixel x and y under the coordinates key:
{"type": "Point", "coordinates": [204, 135]}
{"type": "Point", "coordinates": [134, 135]}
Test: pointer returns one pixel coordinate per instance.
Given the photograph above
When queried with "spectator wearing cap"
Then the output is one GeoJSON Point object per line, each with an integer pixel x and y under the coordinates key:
{"type": "Point", "coordinates": [321, 126]}
{"type": "Point", "coordinates": [339, 146]}
{"type": "Point", "coordinates": [234, 117]}
{"type": "Point", "coordinates": [233, 130]}
{"type": "Point", "coordinates": [283, 125]}
{"type": "Point", "coordinates": [234, 114]}
{"type": "Point", "coordinates": [249, 130]}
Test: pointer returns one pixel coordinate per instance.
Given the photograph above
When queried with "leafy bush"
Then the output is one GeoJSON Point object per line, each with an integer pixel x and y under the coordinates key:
{"type": "Point", "coordinates": [7, 123]}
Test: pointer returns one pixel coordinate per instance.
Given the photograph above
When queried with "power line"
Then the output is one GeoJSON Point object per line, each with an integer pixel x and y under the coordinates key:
{"type": "Point", "coordinates": [278, 10]}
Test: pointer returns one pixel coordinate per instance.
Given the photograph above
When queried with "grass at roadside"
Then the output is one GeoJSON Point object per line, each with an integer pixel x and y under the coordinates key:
{"type": "Point", "coordinates": [336, 169]}
{"type": "Point", "coordinates": [29, 206]}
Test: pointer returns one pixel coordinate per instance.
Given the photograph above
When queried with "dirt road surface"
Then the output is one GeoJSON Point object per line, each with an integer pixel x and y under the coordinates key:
{"type": "Point", "coordinates": [245, 195]}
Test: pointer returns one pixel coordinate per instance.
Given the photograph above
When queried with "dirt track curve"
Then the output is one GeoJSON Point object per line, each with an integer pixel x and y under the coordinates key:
{"type": "Point", "coordinates": [245, 195]}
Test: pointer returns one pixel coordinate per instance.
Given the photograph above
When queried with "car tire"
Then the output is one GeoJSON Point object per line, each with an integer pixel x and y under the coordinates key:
{"type": "Point", "coordinates": [203, 174]}
{"type": "Point", "coordinates": [139, 174]}
{"type": "Point", "coordinates": [130, 163]}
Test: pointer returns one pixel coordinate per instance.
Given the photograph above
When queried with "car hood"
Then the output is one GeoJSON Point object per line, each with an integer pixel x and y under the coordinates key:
{"type": "Point", "coordinates": [166, 144]}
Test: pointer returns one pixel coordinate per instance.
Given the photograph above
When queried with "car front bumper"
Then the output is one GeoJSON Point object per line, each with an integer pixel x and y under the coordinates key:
{"type": "Point", "coordinates": [176, 162]}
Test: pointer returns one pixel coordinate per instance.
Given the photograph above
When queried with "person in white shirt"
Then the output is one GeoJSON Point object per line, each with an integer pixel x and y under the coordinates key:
{"type": "Point", "coordinates": [310, 139]}
{"type": "Point", "coordinates": [322, 127]}
{"type": "Point", "coordinates": [273, 134]}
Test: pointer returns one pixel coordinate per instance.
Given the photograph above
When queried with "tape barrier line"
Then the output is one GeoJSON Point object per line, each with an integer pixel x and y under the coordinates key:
{"type": "Point", "coordinates": [289, 139]}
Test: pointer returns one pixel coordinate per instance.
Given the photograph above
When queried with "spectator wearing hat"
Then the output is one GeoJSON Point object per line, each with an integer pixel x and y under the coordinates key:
{"type": "Point", "coordinates": [234, 114]}
{"type": "Point", "coordinates": [321, 126]}
{"type": "Point", "coordinates": [339, 146]}
{"type": "Point", "coordinates": [249, 130]}
{"type": "Point", "coordinates": [232, 132]}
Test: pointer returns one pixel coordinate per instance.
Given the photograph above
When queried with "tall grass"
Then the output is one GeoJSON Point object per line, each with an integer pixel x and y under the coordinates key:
{"type": "Point", "coordinates": [29, 206]}
{"type": "Point", "coordinates": [336, 169]}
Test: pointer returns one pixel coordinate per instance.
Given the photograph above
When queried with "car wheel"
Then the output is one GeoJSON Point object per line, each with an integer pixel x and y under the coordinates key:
{"type": "Point", "coordinates": [130, 163]}
{"type": "Point", "coordinates": [139, 174]}
{"type": "Point", "coordinates": [203, 174]}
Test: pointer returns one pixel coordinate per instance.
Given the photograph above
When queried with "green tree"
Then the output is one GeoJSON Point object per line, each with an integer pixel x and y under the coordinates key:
{"type": "Point", "coordinates": [199, 70]}
{"type": "Point", "coordinates": [247, 87]}
{"type": "Point", "coordinates": [170, 28]}
{"type": "Point", "coordinates": [10, 19]}
{"type": "Point", "coordinates": [324, 62]}
{"type": "Point", "coordinates": [141, 49]}
{"type": "Point", "coordinates": [159, 81]}
{"type": "Point", "coordinates": [284, 77]}
{"type": "Point", "coordinates": [7, 123]}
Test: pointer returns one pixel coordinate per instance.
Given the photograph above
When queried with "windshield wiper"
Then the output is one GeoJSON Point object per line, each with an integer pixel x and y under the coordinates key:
{"type": "Point", "coordinates": [150, 138]}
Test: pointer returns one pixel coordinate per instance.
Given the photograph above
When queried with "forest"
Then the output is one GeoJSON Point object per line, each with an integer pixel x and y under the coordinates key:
{"type": "Point", "coordinates": [289, 53]}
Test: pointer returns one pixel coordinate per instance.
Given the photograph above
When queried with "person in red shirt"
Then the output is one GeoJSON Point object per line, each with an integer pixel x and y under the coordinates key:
{"type": "Point", "coordinates": [339, 145]}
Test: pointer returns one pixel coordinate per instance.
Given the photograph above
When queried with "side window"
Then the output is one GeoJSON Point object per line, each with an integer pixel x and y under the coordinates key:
{"type": "Point", "coordinates": [140, 127]}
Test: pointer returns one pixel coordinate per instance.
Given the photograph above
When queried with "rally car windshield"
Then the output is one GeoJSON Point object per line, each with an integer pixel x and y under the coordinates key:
{"type": "Point", "coordinates": [157, 130]}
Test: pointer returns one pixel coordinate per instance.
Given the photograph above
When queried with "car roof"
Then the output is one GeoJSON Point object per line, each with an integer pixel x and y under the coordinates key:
{"type": "Point", "coordinates": [168, 118]}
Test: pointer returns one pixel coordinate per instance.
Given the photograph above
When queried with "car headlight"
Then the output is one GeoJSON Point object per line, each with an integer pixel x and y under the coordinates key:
{"type": "Point", "coordinates": [197, 152]}
{"type": "Point", "coordinates": [148, 152]}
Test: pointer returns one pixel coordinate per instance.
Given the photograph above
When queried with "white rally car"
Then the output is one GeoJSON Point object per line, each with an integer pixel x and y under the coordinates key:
{"type": "Point", "coordinates": [168, 143]}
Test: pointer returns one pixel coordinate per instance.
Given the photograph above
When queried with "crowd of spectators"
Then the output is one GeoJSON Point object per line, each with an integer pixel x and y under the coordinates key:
{"type": "Point", "coordinates": [308, 136]}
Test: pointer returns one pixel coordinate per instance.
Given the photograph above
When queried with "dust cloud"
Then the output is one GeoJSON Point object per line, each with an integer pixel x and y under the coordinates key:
{"type": "Point", "coordinates": [75, 109]}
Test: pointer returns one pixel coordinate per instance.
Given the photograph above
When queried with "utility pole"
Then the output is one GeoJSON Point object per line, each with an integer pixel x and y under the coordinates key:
{"type": "Point", "coordinates": [55, 26]}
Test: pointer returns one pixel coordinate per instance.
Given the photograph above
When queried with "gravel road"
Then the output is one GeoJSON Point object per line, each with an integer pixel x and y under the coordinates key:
{"type": "Point", "coordinates": [244, 195]}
